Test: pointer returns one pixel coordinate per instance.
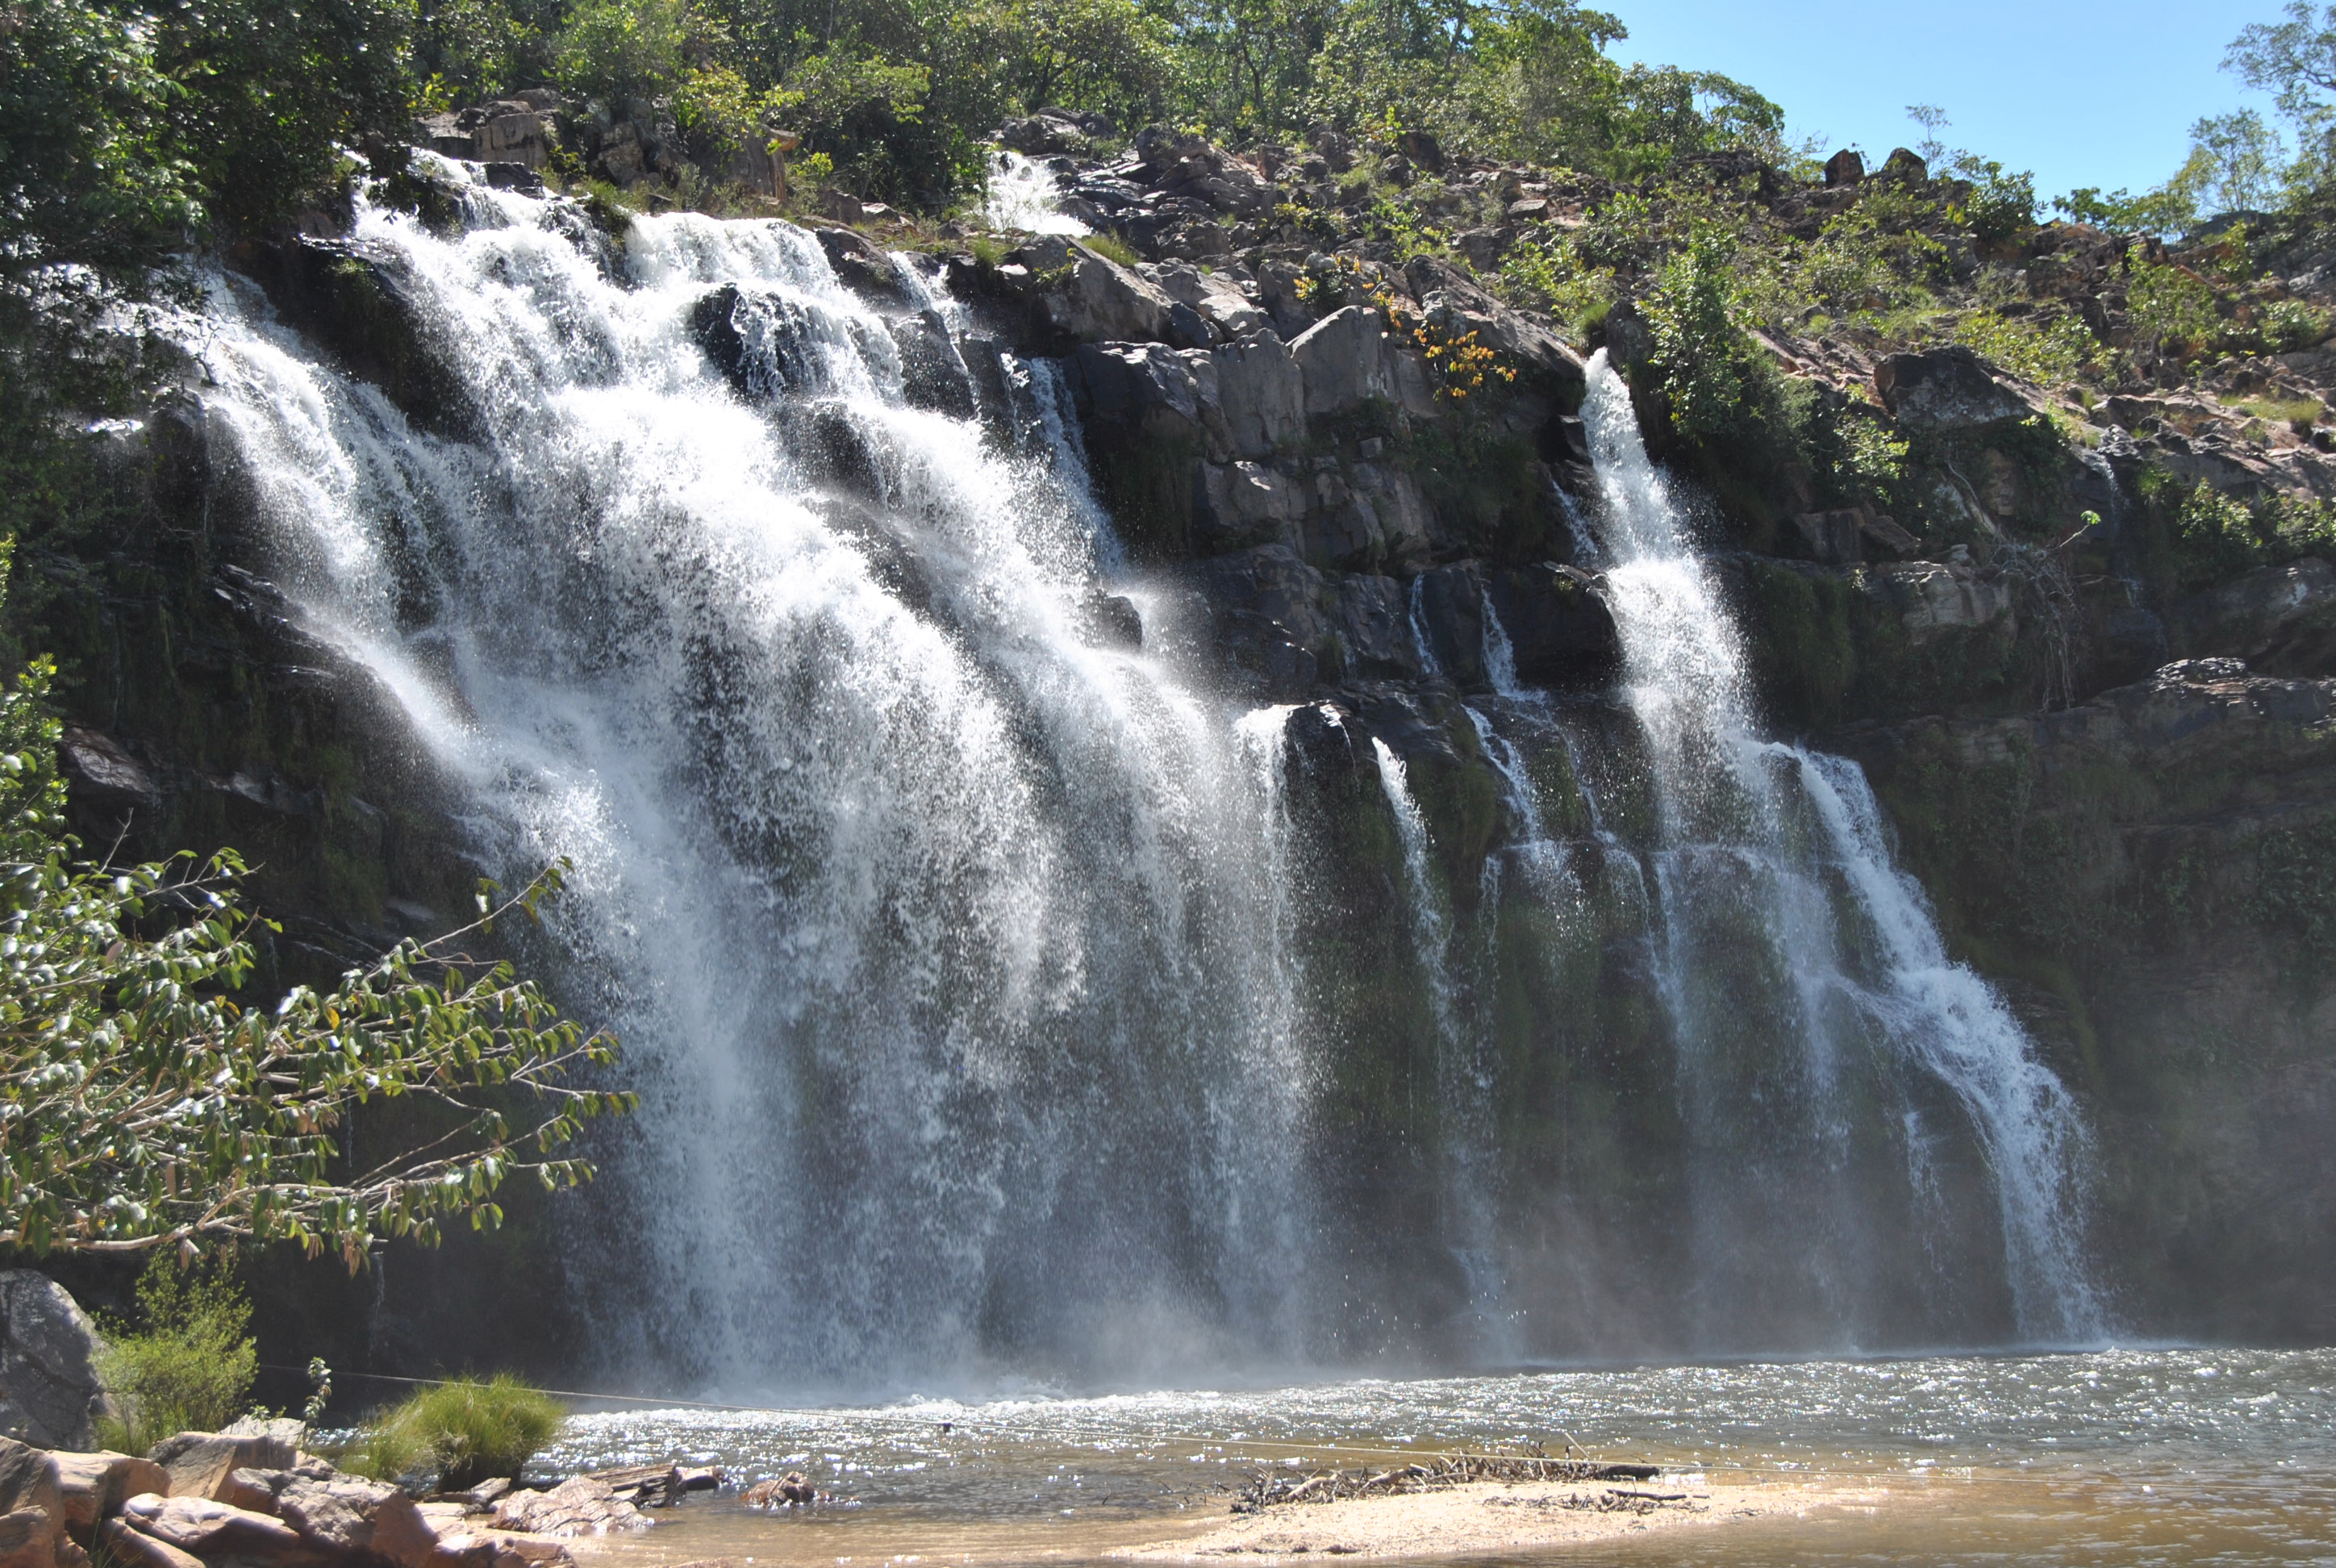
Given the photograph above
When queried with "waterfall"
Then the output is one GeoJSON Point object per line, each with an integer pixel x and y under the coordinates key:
{"type": "Point", "coordinates": [933, 922]}
{"type": "Point", "coordinates": [1804, 975]}
{"type": "Point", "coordinates": [1023, 196]}
{"type": "Point", "coordinates": [1006, 999]}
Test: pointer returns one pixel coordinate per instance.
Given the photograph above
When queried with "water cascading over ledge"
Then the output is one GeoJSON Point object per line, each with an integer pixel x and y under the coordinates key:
{"type": "Point", "coordinates": [1007, 999]}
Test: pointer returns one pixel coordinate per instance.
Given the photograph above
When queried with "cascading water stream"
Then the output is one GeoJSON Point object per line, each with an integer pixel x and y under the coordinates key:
{"type": "Point", "coordinates": [933, 923]}
{"type": "Point", "coordinates": [1023, 196]}
{"type": "Point", "coordinates": [1805, 974]}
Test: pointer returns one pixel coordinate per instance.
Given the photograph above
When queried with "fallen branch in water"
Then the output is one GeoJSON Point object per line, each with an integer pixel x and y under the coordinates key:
{"type": "Point", "coordinates": [1270, 1487]}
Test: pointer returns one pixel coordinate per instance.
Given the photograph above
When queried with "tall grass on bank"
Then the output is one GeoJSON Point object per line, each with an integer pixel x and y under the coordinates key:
{"type": "Point", "coordinates": [467, 1430]}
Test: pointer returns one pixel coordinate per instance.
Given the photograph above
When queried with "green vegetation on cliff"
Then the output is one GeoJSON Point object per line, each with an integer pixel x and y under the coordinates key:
{"type": "Point", "coordinates": [151, 1101]}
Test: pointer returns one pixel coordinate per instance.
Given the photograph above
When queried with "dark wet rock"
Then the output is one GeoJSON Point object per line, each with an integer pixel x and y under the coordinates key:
{"type": "Point", "coordinates": [1452, 617]}
{"type": "Point", "coordinates": [934, 375]}
{"type": "Point", "coordinates": [358, 303]}
{"type": "Point", "coordinates": [1264, 607]}
{"type": "Point", "coordinates": [1561, 633]}
{"type": "Point", "coordinates": [1112, 620]}
{"type": "Point", "coordinates": [863, 266]}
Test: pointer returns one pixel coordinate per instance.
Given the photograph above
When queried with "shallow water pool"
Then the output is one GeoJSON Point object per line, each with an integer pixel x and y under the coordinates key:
{"type": "Point", "coordinates": [2175, 1456]}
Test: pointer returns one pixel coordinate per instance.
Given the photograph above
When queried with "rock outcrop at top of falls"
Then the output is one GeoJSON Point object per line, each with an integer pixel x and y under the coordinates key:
{"type": "Point", "coordinates": [1407, 572]}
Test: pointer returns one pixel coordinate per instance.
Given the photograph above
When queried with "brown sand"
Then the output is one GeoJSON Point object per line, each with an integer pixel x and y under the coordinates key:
{"type": "Point", "coordinates": [1498, 1516]}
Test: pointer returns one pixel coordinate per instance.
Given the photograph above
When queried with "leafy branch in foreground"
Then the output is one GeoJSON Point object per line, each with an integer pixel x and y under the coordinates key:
{"type": "Point", "coordinates": [140, 1105]}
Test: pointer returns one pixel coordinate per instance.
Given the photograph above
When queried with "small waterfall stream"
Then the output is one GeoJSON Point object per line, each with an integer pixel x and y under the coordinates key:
{"type": "Point", "coordinates": [971, 960]}
{"type": "Point", "coordinates": [1803, 971]}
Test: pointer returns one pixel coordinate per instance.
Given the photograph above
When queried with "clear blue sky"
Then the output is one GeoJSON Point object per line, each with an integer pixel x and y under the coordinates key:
{"type": "Point", "coordinates": [2083, 94]}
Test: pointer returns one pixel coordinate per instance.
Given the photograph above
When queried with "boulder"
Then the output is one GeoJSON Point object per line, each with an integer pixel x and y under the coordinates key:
{"type": "Point", "coordinates": [32, 1511]}
{"type": "Point", "coordinates": [1371, 616]}
{"type": "Point", "coordinates": [1103, 300]}
{"type": "Point", "coordinates": [1242, 503]}
{"type": "Point", "coordinates": [2280, 619]}
{"type": "Point", "coordinates": [578, 1505]}
{"type": "Point", "coordinates": [1450, 622]}
{"type": "Point", "coordinates": [284, 1429]}
{"type": "Point", "coordinates": [1944, 389]}
{"type": "Point", "coordinates": [29, 1539]}
{"type": "Point", "coordinates": [95, 1486]}
{"type": "Point", "coordinates": [932, 374]}
{"type": "Point", "coordinates": [1423, 149]}
{"type": "Point", "coordinates": [49, 1392]}
{"type": "Point", "coordinates": [201, 1464]}
{"type": "Point", "coordinates": [129, 1548]}
{"type": "Point", "coordinates": [1265, 613]}
{"type": "Point", "coordinates": [1932, 598]}
{"type": "Point", "coordinates": [1142, 386]}
{"type": "Point", "coordinates": [360, 303]}
{"type": "Point", "coordinates": [211, 1529]}
{"type": "Point", "coordinates": [1350, 360]}
{"type": "Point", "coordinates": [513, 134]}
{"type": "Point", "coordinates": [1453, 300]}
{"type": "Point", "coordinates": [862, 265]}
{"type": "Point", "coordinates": [1560, 629]}
{"type": "Point", "coordinates": [102, 772]}
{"type": "Point", "coordinates": [1262, 395]}
{"type": "Point", "coordinates": [1844, 168]}
{"type": "Point", "coordinates": [1214, 297]}
{"type": "Point", "coordinates": [1905, 166]}
{"type": "Point", "coordinates": [1833, 537]}
{"type": "Point", "coordinates": [1044, 135]}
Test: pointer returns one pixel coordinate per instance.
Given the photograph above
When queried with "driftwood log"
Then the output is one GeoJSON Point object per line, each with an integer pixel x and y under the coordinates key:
{"type": "Point", "coordinates": [656, 1486]}
{"type": "Point", "coordinates": [1271, 1487]}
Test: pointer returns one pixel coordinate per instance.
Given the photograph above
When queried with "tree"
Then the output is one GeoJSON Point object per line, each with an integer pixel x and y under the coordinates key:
{"type": "Point", "coordinates": [1932, 120]}
{"type": "Point", "coordinates": [88, 175]}
{"type": "Point", "coordinates": [2294, 61]}
{"type": "Point", "coordinates": [142, 1104]}
{"type": "Point", "coordinates": [1101, 53]}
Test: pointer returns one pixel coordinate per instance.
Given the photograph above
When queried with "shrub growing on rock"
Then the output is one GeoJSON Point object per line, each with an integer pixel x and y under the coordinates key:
{"type": "Point", "coordinates": [187, 1366]}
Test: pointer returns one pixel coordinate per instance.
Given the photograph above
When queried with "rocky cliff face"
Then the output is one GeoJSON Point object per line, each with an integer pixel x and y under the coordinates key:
{"type": "Point", "coordinates": [2117, 785]}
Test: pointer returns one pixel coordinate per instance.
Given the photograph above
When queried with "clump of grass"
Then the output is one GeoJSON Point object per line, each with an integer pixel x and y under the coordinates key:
{"type": "Point", "coordinates": [988, 250]}
{"type": "Point", "coordinates": [185, 1365]}
{"type": "Point", "coordinates": [1111, 248]}
{"type": "Point", "coordinates": [384, 1452]}
{"type": "Point", "coordinates": [467, 1430]}
{"type": "Point", "coordinates": [2297, 413]}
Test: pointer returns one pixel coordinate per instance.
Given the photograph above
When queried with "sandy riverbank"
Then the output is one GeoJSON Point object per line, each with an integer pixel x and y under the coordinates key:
{"type": "Point", "coordinates": [1498, 1516]}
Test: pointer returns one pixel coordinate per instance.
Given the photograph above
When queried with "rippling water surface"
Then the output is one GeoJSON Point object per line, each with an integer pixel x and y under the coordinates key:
{"type": "Point", "coordinates": [2123, 1456]}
